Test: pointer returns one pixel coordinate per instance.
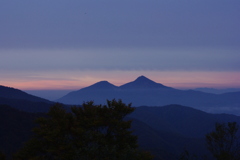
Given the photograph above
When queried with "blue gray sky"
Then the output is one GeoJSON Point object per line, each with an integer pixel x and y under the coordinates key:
{"type": "Point", "coordinates": [70, 44]}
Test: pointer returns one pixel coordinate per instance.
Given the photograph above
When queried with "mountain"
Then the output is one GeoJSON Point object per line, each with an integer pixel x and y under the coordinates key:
{"type": "Point", "coordinates": [143, 82]}
{"type": "Point", "coordinates": [105, 85]}
{"type": "Point", "coordinates": [176, 128]}
{"type": "Point", "coordinates": [22, 100]}
{"type": "Point", "coordinates": [12, 93]}
{"type": "Point", "coordinates": [145, 92]}
{"type": "Point", "coordinates": [182, 120]}
{"type": "Point", "coordinates": [99, 92]}
{"type": "Point", "coordinates": [103, 90]}
{"type": "Point", "coordinates": [164, 131]}
{"type": "Point", "coordinates": [217, 91]}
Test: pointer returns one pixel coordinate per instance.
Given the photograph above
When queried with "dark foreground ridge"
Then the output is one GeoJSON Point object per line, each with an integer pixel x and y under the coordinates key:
{"type": "Point", "coordinates": [164, 131]}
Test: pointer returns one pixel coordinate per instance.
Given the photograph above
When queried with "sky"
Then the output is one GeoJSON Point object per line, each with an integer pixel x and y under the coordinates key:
{"type": "Point", "coordinates": [71, 44]}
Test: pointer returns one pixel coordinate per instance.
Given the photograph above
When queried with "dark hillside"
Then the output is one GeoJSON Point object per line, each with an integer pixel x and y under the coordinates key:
{"type": "Point", "coordinates": [12, 93]}
{"type": "Point", "coordinates": [25, 105]}
{"type": "Point", "coordinates": [15, 128]}
{"type": "Point", "coordinates": [183, 120]}
{"type": "Point", "coordinates": [165, 144]}
{"type": "Point", "coordinates": [23, 101]}
{"type": "Point", "coordinates": [164, 131]}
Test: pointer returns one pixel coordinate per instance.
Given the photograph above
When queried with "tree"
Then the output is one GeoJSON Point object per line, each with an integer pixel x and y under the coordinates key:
{"type": "Point", "coordinates": [90, 132]}
{"type": "Point", "coordinates": [187, 156]}
{"type": "Point", "coordinates": [223, 143]}
{"type": "Point", "coordinates": [2, 156]}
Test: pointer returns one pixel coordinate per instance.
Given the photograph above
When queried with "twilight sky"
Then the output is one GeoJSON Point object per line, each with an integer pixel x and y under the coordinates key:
{"type": "Point", "coordinates": [70, 44]}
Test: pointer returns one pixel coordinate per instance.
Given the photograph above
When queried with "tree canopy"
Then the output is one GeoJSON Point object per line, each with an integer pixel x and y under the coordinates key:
{"type": "Point", "coordinates": [2, 156]}
{"type": "Point", "coordinates": [90, 132]}
{"type": "Point", "coordinates": [223, 143]}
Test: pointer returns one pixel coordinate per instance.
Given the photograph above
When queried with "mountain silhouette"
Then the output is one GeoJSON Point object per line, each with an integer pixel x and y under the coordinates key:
{"type": "Point", "coordinates": [103, 90]}
{"type": "Point", "coordinates": [101, 85]}
{"type": "Point", "coordinates": [12, 93]}
{"type": "Point", "coordinates": [176, 118]}
{"type": "Point", "coordinates": [143, 82]}
{"type": "Point", "coordinates": [179, 126]}
{"type": "Point", "coordinates": [145, 92]}
{"type": "Point", "coordinates": [22, 100]}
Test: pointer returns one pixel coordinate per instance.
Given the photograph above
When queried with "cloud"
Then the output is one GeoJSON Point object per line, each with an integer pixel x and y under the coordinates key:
{"type": "Point", "coordinates": [124, 24]}
{"type": "Point", "coordinates": [121, 59]}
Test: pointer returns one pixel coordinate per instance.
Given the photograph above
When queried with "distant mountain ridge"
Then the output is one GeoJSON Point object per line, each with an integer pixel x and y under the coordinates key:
{"type": "Point", "coordinates": [176, 118]}
{"type": "Point", "coordinates": [12, 93]}
{"type": "Point", "coordinates": [141, 82]}
{"type": "Point", "coordinates": [103, 90]}
{"type": "Point", "coordinates": [22, 100]}
{"type": "Point", "coordinates": [217, 91]}
{"type": "Point", "coordinates": [144, 91]}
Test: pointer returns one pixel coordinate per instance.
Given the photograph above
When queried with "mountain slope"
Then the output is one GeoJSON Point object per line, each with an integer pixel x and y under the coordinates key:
{"type": "Point", "coordinates": [23, 101]}
{"type": "Point", "coordinates": [98, 92]}
{"type": "Point", "coordinates": [180, 127]}
{"type": "Point", "coordinates": [101, 85]}
{"type": "Point", "coordinates": [25, 105]}
{"type": "Point", "coordinates": [12, 93]}
{"type": "Point", "coordinates": [103, 90]}
{"type": "Point", "coordinates": [182, 120]}
{"type": "Point", "coordinates": [143, 82]}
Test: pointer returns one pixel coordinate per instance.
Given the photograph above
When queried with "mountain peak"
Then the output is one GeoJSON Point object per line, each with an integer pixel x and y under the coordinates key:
{"type": "Point", "coordinates": [142, 82]}
{"type": "Point", "coordinates": [144, 79]}
{"type": "Point", "coordinates": [102, 85]}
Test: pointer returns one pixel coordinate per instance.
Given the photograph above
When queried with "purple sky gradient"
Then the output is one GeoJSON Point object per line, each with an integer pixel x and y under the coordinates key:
{"type": "Point", "coordinates": [62, 44]}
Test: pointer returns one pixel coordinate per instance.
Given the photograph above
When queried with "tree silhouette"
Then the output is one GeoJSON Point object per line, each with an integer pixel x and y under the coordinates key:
{"type": "Point", "coordinates": [2, 156]}
{"type": "Point", "coordinates": [223, 143]}
{"type": "Point", "coordinates": [90, 132]}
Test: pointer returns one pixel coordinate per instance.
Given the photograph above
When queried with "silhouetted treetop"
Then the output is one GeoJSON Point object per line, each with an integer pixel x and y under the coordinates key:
{"type": "Point", "coordinates": [89, 132]}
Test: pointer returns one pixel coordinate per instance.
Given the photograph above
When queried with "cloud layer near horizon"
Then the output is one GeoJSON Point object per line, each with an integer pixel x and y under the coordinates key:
{"type": "Point", "coordinates": [121, 59]}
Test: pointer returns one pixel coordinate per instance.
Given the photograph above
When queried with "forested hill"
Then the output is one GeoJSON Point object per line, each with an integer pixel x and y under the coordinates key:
{"type": "Point", "coordinates": [183, 120]}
